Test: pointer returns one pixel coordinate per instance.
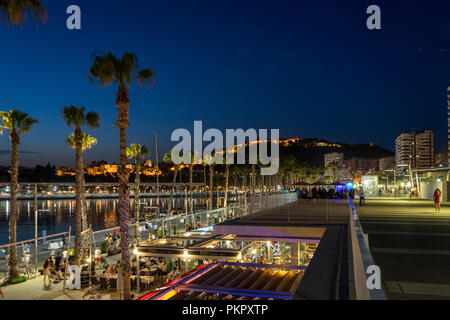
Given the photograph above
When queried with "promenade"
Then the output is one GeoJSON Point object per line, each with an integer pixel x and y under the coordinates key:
{"type": "Point", "coordinates": [33, 289]}
{"type": "Point", "coordinates": [411, 244]}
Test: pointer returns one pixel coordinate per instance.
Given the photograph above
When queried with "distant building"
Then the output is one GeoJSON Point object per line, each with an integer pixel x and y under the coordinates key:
{"type": "Point", "coordinates": [415, 148]}
{"type": "Point", "coordinates": [148, 163]}
{"type": "Point", "coordinates": [386, 163]}
{"type": "Point", "coordinates": [361, 164]}
{"type": "Point", "coordinates": [441, 159]}
{"type": "Point", "coordinates": [64, 171]}
{"type": "Point", "coordinates": [335, 156]}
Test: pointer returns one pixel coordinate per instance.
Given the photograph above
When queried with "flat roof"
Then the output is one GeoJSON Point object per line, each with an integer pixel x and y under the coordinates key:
{"type": "Point", "coordinates": [237, 281]}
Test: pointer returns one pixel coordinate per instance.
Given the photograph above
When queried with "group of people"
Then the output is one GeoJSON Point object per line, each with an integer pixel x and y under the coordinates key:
{"type": "Point", "coordinates": [52, 269]}
{"type": "Point", "coordinates": [113, 240]}
{"type": "Point", "coordinates": [323, 193]}
{"type": "Point", "coordinates": [148, 267]}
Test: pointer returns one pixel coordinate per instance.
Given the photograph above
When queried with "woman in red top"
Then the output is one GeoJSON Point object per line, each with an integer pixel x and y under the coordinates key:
{"type": "Point", "coordinates": [437, 200]}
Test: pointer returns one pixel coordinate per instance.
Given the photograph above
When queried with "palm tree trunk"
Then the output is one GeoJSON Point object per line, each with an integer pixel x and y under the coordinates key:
{"type": "Point", "coordinates": [84, 218]}
{"type": "Point", "coordinates": [12, 263]}
{"type": "Point", "coordinates": [169, 205]}
{"type": "Point", "coordinates": [137, 181]}
{"type": "Point", "coordinates": [79, 195]}
{"type": "Point", "coordinates": [204, 175]}
{"type": "Point", "coordinates": [253, 180]}
{"type": "Point", "coordinates": [211, 173]}
{"type": "Point", "coordinates": [227, 176]}
{"type": "Point", "coordinates": [123, 105]}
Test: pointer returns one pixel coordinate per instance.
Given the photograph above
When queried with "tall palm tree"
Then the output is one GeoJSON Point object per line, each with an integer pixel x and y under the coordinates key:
{"type": "Point", "coordinates": [168, 159]}
{"type": "Point", "coordinates": [208, 160]}
{"type": "Point", "coordinates": [288, 166]}
{"type": "Point", "coordinates": [16, 123]}
{"type": "Point", "coordinates": [106, 70]}
{"type": "Point", "coordinates": [16, 11]}
{"type": "Point", "coordinates": [192, 163]}
{"type": "Point", "coordinates": [76, 116]}
{"type": "Point", "coordinates": [88, 142]}
{"type": "Point", "coordinates": [137, 152]}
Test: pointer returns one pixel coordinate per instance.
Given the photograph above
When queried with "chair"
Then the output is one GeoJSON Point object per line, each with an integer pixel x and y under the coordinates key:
{"type": "Point", "coordinates": [103, 283]}
{"type": "Point", "coordinates": [113, 283]}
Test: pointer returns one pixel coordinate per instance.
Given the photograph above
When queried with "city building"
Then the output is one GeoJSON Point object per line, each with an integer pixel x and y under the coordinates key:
{"type": "Point", "coordinates": [386, 163]}
{"type": "Point", "coordinates": [441, 159]}
{"type": "Point", "coordinates": [361, 164]}
{"type": "Point", "coordinates": [334, 156]}
{"type": "Point", "coordinates": [415, 149]}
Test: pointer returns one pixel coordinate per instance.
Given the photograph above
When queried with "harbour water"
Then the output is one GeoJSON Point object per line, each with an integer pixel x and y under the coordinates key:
{"type": "Point", "coordinates": [102, 214]}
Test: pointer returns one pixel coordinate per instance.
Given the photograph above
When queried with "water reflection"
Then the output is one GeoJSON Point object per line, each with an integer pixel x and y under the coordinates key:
{"type": "Point", "coordinates": [101, 214]}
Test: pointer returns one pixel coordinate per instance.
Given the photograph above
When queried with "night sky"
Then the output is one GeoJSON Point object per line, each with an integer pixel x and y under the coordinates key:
{"type": "Point", "coordinates": [309, 68]}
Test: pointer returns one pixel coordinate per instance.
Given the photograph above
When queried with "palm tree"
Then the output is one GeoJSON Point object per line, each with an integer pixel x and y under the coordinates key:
{"type": "Point", "coordinates": [88, 143]}
{"type": "Point", "coordinates": [208, 160]}
{"type": "Point", "coordinates": [16, 11]}
{"type": "Point", "coordinates": [168, 159]}
{"type": "Point", "coordinates": [16, 123]}
{"type": "Point", "coordinates": [76, 116]}
{"type": "Point", "coordinates": [334, 166]}
{"type": "Point", "coordinates": [192, 163]}
{"type": "Point", "coordinates": [137, 152]}
{"type": "Point", "coordinates": [106, 70]}
{"type": "Point", "coordinates": [288, 166]}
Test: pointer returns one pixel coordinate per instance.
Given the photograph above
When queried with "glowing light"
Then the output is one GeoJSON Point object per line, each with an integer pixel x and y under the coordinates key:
{"type": "Point", "coordinates": [185, 253]}
{"type": "Point", "coordinates": [239, 257]}
{"type": "Point", "coordinates": [135, 251]}
{"type": "Point", "coordinates": [254, 251]}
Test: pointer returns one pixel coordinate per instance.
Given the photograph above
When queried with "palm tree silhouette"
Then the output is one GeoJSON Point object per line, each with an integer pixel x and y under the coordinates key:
{"type": "Point", "coordinates": [17, 123]}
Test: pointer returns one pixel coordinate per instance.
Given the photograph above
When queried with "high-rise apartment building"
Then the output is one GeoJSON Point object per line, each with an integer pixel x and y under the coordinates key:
{"type": "Point", "coordinates": [415, 148]}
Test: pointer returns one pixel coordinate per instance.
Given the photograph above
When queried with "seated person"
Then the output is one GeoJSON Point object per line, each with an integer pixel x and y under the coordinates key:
{"type": "Point", "coordinates": [117, 268]}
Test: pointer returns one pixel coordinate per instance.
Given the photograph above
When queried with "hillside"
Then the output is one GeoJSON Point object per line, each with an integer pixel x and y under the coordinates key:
{"type": "Point", "coordinates": [312, 151]}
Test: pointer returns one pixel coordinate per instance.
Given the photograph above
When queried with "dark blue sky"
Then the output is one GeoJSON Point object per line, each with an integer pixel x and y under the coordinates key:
{"type": "Point", "coordinates": [309, 68]}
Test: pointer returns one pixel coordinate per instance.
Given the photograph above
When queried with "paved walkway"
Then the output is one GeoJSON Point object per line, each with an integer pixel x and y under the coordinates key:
{"type": "Point", "coordinates": [33, 289]}
{"type": "Point", "coordinates": [411, 244]}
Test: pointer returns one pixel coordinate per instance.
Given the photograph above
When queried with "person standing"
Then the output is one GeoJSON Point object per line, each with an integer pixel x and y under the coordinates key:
{"type": "Point", "coordinates": [437, 200]}
{"type": "Point", "coordinates": [58, 259]}
{"type": "Point", "coordinates": [47, 272]}
{"type": "Point", "coordinates": [361, 196]}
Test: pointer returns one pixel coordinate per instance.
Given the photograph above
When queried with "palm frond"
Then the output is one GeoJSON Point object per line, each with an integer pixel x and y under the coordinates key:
{"type": "Point", "coordinates": [92, 120]}
{"type": "Point", "coordinates": [87, 143]}
{"type": "Point", "coordinates": [146, 78]}
{"type": "Point", "coordinates": [104, 70]}
{"type": "Point", "coordinates": [16, 120]}
{"type": "Point", "coordinates": [17, 11]}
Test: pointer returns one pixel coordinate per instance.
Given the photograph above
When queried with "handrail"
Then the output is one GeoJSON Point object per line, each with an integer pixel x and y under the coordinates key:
{"type": "Point", "coordinates": [362, 259]}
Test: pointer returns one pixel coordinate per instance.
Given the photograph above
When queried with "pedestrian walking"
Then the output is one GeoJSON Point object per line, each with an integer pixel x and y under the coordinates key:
{"type": "Point", "coordinates": [437, 200]}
